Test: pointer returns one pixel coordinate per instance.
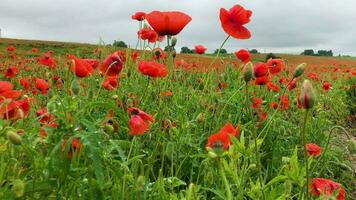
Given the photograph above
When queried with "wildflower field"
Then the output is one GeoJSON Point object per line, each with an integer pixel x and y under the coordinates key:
{"type": "Point", "coordinates": [96, 122]}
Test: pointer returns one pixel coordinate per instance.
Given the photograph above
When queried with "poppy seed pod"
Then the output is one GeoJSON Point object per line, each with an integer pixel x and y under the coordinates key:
{"type": "Point", "coordinates": [14, 138]}
{"type": "Point", "coordinates": [299, 70]}
{"type": "Point", "coordinates": [248, 72]}
{"type": "Point", "coordinates": [307, 95]}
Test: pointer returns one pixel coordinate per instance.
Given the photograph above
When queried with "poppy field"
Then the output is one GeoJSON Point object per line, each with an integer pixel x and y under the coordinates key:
{"type": "Point", "coordinates": [101, 122]}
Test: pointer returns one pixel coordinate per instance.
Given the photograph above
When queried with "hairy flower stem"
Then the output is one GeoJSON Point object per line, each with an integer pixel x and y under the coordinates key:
{"type": "Point", "coordinates": [214, 60]}
{"type": "Point", "coordinates": [224, 179]}
{"type": "Point", "coordinates": [305, 152]}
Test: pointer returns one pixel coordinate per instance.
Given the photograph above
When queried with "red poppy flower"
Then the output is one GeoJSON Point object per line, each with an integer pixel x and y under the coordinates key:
{"type": "Point", "coordinates": [11, 72]}
{"type": "Point", "coordinates": [139, 121]}
{"type": "Point", "coordinates": [11, 48]}
{"type": "Point", "coordinates": [285, 101]}
{"type": "Point", "coordinates": [233, 21]}
{"type": "Point", "coordinates": [42, 86]}
{"type": "Point", "coordinates": [5, 86]}
{"type": "Point", "coordinates": [274, 105]}
{"type": "Point", "coordinates": [10, 94]}
{"type": "Point", "coordinates": [313, 149]}
{"type": "Point", "coordinates": [275, 65]}
{"type": "Point", "coordinates": [222, 139]}
{"type": "Point", "coordinates": [110, 83]}
{"type": "Point", "coordinates": [293, 84]}
{"type": "Point", "coordinates": [260, 69]}
{"type": "Point", "coordinates": [257, 102]}
{"type": "Point", "coordinates": [93, 62]}
{"type": "Point", "coordinates": [75, 147]}
{"type": "Point", "coordinates": [327, 86]}
{"type": "Point", "coordinates": [326, 188]}
{"type": "Point", "coordinates": [158, 53]}
{"type": "Point", "coordinates": [47, 60]}
{"type": "Point", "coordinates": [112, 65]}
{"type": "Point", "coordinates": [263, 80]}
{"type": "Point", "coordinates": [149, 34]}
{"type": "Point", "coordinates": [81, 67]}
{"type": "Point", "coordinates": [243, 55]}
{"type": "Point", "coordinates": [15, 109]}
{"type": "Point", "coordinates": [152, 68]}
{"type": "Point", "coordinates": [200, 49]}
{"type": "Point", "coordinates": [272, 87]}
{"type": "Point", "coordinates": [46, 118]}
{"type": "Point", "coordinates": [34, 50]}
{"type": "Point", "coordinates": [139, 16]}
{"type": "Point", "coordinates": [26, 84]}
{"type": "Point", "coordinates": [134, 56]}
{"type": "Point", "coordinates": [168, 23]}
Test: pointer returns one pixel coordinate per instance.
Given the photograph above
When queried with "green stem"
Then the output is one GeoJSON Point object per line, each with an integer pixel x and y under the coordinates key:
{"type": "Point", "coordinates": [305, 152]}
{"type": "Point", "coordinates": [225, 181]}
{"type": "Point", "coordinates": [216, 57]}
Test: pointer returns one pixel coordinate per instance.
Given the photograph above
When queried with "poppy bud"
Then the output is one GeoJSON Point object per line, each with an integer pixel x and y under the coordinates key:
{"type": "Point", "coordinates": [212, 154]}
{"type": "Point", "coordinates": [14, 138]}
{"type": "Point", "coordinates": [75, 87]}
{"type": "Point", "coordinates": [173, 41]}
{"type": "Point", "coordinates": [200, 118]}
{"type": "Point", "coordinates": [299, 70]}
{"type": "Point", "coordinates": [50, 94]}
{"type": "Point", "coordinates": [18, 187]}
{"type": "Point", "coordinates": [307, 95]}
{"type": "Point", "coordinates": [248, 72]}
{"type": "Point", "coordinates": [51, 106]}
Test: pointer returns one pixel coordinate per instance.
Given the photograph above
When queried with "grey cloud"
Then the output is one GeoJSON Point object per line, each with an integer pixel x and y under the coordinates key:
{"type": "Point", "coordinates": [276, 25]}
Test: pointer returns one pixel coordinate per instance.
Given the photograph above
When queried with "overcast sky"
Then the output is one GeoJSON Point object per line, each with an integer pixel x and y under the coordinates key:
{"type": "Point", "coordinates": [276, 25]}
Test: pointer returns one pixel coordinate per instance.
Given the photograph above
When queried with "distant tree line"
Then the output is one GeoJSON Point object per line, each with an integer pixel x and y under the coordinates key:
{"type": "Point", "coordinates": [310, 52]}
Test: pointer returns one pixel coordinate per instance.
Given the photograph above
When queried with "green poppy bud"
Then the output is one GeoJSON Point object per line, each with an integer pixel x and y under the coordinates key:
{"type": "Point", "coordinates": [75, 87]}
{"type": "Point", "coordinates": [14, 138]}
{"type": "Point", "coordinates": [248, 72]}
{"type": "Point", "coordinates": [173, 41]}
{"type": "Point", "coordinates": [299, 70]}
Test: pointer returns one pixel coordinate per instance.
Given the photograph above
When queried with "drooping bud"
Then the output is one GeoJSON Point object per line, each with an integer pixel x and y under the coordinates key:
{"type": "Point", "coordinates": [141, 182]}
{"type": "Point", "coordinates": [307, 95]}
{"type": "Point", "coordinates": [14, 138]}
{"type": "Point", "coordinates": [75, 87]}
{"type": "Point", "coordinates": [248, 72]}
{"type": "Point", "coordinates": [173, 41]}
{"type": "Point", "coordinates": [18, 187]}
{"type": "Point", "coordinates": [299, 70]}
